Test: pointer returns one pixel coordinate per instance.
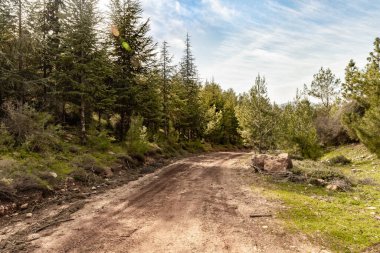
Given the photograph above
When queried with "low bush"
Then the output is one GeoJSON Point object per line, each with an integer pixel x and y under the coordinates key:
{"type": "Point", "coordinates": [6, 139]}
{"type": "Point", "coordinates": [6, 193]}
{"type": "Point", "coordinates": [99, 141]}
{"type": "Point", "coordinates": [30, 183]}
{"type": "Point", "coordinates": [84, 177]}
{"type": "Point", "coordinates": [340, 159]}
{"type": "Point", "coordinates": [137, 142]}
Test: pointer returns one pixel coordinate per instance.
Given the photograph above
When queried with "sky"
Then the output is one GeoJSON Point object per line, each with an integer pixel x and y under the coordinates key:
{"type": "Point", "coordinates": [287, 41]}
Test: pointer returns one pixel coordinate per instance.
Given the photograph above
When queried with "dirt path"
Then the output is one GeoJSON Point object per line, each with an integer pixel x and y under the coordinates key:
{"type": "Point", "coordinates": [198, 204]}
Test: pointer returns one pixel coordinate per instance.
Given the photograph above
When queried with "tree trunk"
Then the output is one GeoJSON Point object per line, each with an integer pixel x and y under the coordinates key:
{"type": "Point", "coordinates": [122, 127]}
{"type": "Point", "coordinates": [83, 121]}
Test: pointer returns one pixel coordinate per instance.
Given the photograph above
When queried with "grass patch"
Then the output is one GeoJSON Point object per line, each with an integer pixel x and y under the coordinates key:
{"type": "Point", "coordinates": [342, 221]}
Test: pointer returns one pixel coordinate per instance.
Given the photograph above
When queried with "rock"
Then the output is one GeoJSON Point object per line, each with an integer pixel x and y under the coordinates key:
{"type": "Point", "coordinates": [24, 206]}
{"type": "Point", "coordinates": [371, 208]}
{"type": "Point", "coordinates": [272, 164]}
{"type": "Point", "coordinates": [33, 237]}
{"type": "Point", "coordinates": [29, 215]}
{"type": "Point", "coordinates": [338, 185]}
{"type": "Point", "coordinates": [265, 227]}
{"type": "Point", "coordinates": [332, 187]}
{"type": "Point", "coordinates": [3, 210]}
{"type": "Point", "coordinates": [53, 174]}
{"type": "Point", "coordinates": [117, 168]}
{"type": "Point", "coordinates": [93, 188]}
{"type": "Point", "coordinates": [377, 218]}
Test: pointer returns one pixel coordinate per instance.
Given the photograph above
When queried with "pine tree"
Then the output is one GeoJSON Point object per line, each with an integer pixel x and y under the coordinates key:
{"type": "Point", "coordinates": [256, 116]}
{"type": "Point", "coordinates": [324, 87]}
{"type": "Point", "coordinates": [192, 124]}
{"type": "Point", "coordinates": [133, 54]}
{"type": "Point", "coordinates": [362, 91]}
{"type": "Point", "coordinates": [46, 24]}
{"type": "Point", "coordinates": [80, 64]}
{"type": "Point", "coordinates": [166, 72]}
{"type": "Point", "coordinates": [6, 39]}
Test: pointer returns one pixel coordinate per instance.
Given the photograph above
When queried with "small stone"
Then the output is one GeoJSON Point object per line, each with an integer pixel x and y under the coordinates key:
{"type": "Point", "coordinates": [377, 218]}
{"type": "Point", "coordinates": [29, 215]}
{"type": "Point", "coordinates": [371, 208]}
{"type": "Point", "coordinates": [24, 206]}
{"type": "Point", "coordinates": [53, 174]}
{"type": "Point", "coordinates": [15, 214]}
{"type": "Point", "coordinates": [265, 227]}
{"type": "Point", "coordinates": [33, 237]}
{"type": "Point", "coordinates": [372, 213]}
{"type": "Point", "coordinates": [332, 187]}
{"type": "Point", "coordinates": [93, 188]}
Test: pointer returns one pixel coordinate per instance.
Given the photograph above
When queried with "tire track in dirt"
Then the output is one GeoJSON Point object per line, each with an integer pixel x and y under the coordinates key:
{"type": "Point", "coordinates": [198, 204]}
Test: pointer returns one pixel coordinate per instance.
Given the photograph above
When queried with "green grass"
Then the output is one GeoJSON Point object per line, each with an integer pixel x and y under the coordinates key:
{"type": "Point", "coordinates": [341, 221]}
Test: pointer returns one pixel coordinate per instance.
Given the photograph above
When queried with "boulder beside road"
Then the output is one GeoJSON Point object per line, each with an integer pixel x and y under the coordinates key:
{"type": "Point", "coordinates": [272, 164]}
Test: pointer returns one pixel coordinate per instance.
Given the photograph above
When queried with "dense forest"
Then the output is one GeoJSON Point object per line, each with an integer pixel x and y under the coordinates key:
{"type": "Point", "coordinates": [67, 70]}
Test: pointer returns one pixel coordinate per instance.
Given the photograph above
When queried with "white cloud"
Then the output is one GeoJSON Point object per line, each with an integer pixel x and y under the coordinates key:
{"type": "Point", "coordinates": [178, 7]}
{"type": "Point", "coordinates": [226, 12]}
{"type": "Point", "coordinates": [233, 40]}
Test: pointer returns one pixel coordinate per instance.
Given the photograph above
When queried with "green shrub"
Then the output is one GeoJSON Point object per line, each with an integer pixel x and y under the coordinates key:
{"type": "Point", "coordinates": [137, 136]}
{"type": "Point", "coordinates": [84, 177]}
{"type": "Point", "coordinates": [326, 174]}
{"type": "Point", "coordinates": [6, 140]}
{"type": "Point", "coordinates": [193, 146]}
{"type": "Point", "coordinates": [43, 141]}
{"type": "Point", "coordinates": [340, 159]}
{"type": "Point", "coordinates": [100, 142]}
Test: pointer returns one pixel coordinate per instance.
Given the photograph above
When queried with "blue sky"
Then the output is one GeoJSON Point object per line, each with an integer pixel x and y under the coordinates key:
{"type": "Point", "coordinates": [286, 41]}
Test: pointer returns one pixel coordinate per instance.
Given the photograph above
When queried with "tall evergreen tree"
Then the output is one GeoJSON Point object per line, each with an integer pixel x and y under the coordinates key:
{"type": "Point", "coordinates": [81, 57]}
{"type": "Point", "coordinates": [6, 38]}
{"type": "Point", "coordinates": [325, 87]}
{"type": "Point", "coordinates": [256, 117]}
{"type": "Point", "coordinates": [362, 91]}
{"type": "Point", "coordinates": [192, 124]}
{"type": "Point", "coordinates": [46, 24]}
{"type": "Point", "coordinates": [166, 72]}
{"type": "Point", "coordinates": [133, 54]}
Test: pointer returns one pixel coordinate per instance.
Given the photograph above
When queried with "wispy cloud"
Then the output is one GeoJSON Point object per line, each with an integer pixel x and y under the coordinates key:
{"type": "Point", "coordinates": [216, 7]}
{"type": "Point", "coordinates": [285, 40]}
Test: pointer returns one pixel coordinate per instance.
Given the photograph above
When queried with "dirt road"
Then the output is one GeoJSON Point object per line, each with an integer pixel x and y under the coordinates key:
{"type": "Point", "coordinates": [198, 204]}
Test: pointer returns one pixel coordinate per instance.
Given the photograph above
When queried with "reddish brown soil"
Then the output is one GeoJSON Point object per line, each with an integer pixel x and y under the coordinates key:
{"type": "Point", "coordinates": [198, 204]}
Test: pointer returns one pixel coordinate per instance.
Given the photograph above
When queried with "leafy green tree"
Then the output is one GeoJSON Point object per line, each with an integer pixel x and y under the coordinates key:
{"type": "Point", "coordinates": [362, 91]}
{"type": "Point", "coordinates": [220, 122]}
{"type": "Point", "coordinates": [325, 87]}
{"type": "Point", "coordinates": [256, 117]}
{"type": "Point", "coordinates": [297, 132]}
